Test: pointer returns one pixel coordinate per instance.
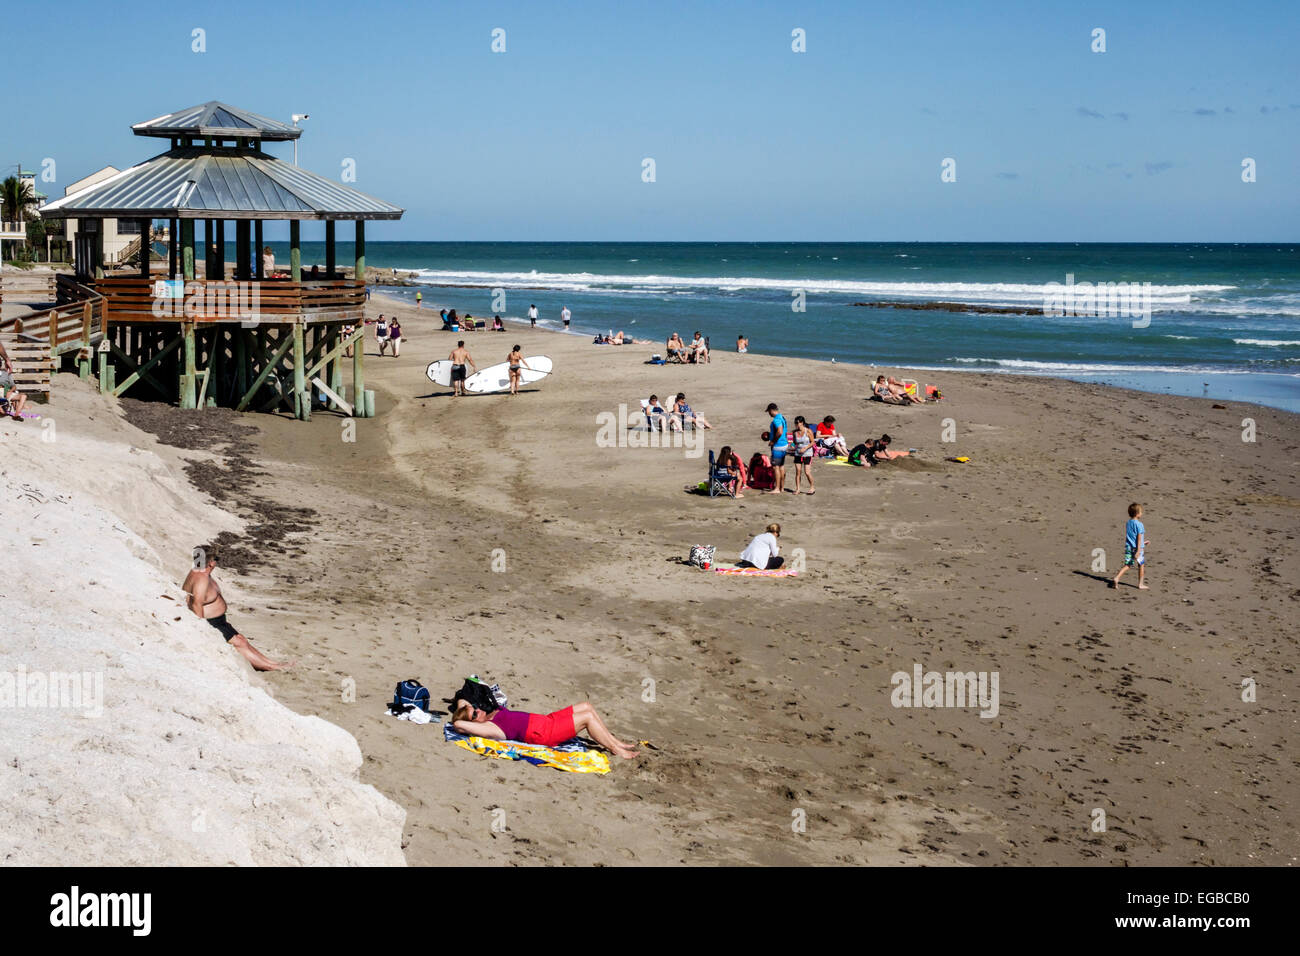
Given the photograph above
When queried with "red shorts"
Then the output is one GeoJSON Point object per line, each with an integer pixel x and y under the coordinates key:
{"type": "Point", "coordinates": [550, 729]}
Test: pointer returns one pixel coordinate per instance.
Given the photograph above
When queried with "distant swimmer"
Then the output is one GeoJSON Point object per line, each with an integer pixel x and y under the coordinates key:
{"type": "Point", "coordinates": [459, 357]}
{"type": "Point", "coordinates": [742, 343]}
{"type": "Point", "coordinates": [205, 601]}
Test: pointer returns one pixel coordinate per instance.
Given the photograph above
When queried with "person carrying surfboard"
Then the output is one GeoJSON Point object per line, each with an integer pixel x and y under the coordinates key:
{"type": "Point", "coordinates": [459, 357]}
{"type": "Point", "coordinates": [517, 363]}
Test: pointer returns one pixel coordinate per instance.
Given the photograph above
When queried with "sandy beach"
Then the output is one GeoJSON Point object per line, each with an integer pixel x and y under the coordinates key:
{"type": "Point", "coordinates": [368, 555]}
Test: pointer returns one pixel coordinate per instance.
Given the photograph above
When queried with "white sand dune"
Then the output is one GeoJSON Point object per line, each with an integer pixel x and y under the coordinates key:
{"type": "Point", "coordinates": [188, 760]}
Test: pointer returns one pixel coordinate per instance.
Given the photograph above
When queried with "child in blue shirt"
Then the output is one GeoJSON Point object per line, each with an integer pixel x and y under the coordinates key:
{"type": "Point", "coordinates": [1135, 545]}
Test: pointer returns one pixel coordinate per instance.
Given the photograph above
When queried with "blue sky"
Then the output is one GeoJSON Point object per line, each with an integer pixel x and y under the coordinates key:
{"type": "Point", "coordinates": [751, 141]}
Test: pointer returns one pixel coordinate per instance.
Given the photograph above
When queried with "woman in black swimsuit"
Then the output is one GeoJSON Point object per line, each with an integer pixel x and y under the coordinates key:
{"type": "Point", "coordinates": [516, 360]}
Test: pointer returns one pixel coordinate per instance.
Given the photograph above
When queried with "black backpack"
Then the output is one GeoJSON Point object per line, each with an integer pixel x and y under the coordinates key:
{"type": "Point", "coordinates": [477, 693]}
{"type": "Point", "coordinates": [411, 693]}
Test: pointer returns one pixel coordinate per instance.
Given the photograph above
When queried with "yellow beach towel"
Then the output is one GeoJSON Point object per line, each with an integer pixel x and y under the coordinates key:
{"type": "Point", "coordinates": [575, 761]}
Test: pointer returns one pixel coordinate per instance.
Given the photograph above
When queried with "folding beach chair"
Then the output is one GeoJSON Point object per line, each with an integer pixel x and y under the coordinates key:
{"type": "Point", "coordinates": [720, 479]}
{"type": "Point", "coordinates": [649, 421]}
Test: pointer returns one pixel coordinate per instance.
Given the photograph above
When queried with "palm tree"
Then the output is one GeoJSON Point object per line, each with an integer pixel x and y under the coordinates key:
{"type": "Point", "coordinates": [15, 196]}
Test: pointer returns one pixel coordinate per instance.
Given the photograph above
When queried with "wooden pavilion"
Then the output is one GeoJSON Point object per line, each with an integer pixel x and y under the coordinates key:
{"type": "Point", "coordinates": [246, 340]}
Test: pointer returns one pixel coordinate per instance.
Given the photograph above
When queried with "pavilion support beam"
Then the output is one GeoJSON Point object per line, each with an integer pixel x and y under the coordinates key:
{"type": "Point", "coordinates": [359, 373]}
{"type": "Point", "coordinates": [257, 257]}
{"type": "Point", "coordinates": [146, 247]}
{"type": "Point", "coordinates": [139, 372]}
{"type": "Point", "coordinates": [187, 249]}
{"type": "Point", "coordinates": [107, 375]}
{"type": "Point", "coordinates": [301, 394]}
{"type": "Point", "coordinates": [242, 242]}
{"type": "Point", "coordinates": [295, 250]}
{"type": "Point", "coordinates": [220, 227]}
{"type": "Point", "coordinates": [329, 248]}
{"type": "Point", "coordinates": [97, 250]}
{"type": "Point", "coordinates": [269, 362]}
{"type": "Point", "coordinates": [187, 376]}
{"type": "Point", "coordinates": [240, 353]}
{"type": "Point", "coordinates": [172, 248]}
{"type": "Point", "coordinates": [207, 248]}
{"type": "Point", "coordinates": [336, 365]}
{"type": "Point", "coordinates": [360, 273]}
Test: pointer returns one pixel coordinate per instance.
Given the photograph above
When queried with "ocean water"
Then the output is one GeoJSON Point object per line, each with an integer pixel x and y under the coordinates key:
{"type": "Point", "coordinates": [1224, 320]}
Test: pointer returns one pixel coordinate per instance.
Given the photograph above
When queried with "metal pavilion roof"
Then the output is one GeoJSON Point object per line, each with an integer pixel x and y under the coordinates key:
{"type": "Point", "coordinates": [217, 120]}
{"type": "Point", "coordinates": [202, 182]}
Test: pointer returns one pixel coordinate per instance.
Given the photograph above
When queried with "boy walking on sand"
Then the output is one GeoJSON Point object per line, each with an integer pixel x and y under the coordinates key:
{"type": "Point", "coordinates": [778, 438]}
{"type": "Point", "coordinates": [1135, 543]}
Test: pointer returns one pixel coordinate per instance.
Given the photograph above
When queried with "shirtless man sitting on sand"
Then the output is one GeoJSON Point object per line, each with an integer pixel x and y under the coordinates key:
{"type": "Point", "coordinates": [205, 600]}
{"type": "Point", "coordinates": [459, 356]}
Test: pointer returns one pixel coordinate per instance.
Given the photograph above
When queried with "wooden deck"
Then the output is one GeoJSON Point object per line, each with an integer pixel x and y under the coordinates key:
{"type": "Point", "coordinates": [244, 345]}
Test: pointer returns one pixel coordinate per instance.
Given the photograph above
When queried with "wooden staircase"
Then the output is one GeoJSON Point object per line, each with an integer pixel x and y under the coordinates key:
{"type": "Point", "coordinates": [37, 341]}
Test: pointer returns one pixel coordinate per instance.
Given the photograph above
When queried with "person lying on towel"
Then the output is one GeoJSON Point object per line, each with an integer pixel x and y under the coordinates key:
{"type": "Point", "coordinates": [546, 730]}
{"type": "Point", "coordinates": [893, 392]}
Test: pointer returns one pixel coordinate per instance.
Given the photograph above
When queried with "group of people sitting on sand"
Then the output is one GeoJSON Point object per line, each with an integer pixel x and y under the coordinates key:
{"type": "Point", "coordinates": [452, 322]}
{"type": "Point", "coordinates": [801, 443]}
{"type": "Point", "coordinates": [696, 353]}
{"type": "Point", "coordinates": [676, 418]}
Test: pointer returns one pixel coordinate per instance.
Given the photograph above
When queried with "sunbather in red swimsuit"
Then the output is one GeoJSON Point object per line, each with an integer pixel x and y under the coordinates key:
{"type": "Point", "coordinates": [544, 729]}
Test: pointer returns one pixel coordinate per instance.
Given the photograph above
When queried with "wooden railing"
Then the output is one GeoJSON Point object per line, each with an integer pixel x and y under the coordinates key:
{"type": "Point", "coordinates": [123, 254]}
{"type": "Point", "coordinates": [228, 300]}
{"type": "Point", "coordinates": [21, 285]}
{"type": "Point", "coordinates": [40, 337]}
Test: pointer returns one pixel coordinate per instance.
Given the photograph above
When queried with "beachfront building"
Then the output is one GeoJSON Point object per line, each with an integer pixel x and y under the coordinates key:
{"type": "Point", "coordinates": [120, 239]}
{"type": "Point", "coordinates": [222, 331]}
{"type": "Point", "coordinates": [15, 230]}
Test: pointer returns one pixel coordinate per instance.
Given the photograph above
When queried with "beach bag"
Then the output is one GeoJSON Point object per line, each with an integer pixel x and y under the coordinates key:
{"type": "Point", "coordinates": [761, 475]}
{"type": "Point", "coordinates": [411, 693]}
{"type": "Point", "coordinates": [479, 695]}
{"type": "Point", "coordinates": [702, 555]}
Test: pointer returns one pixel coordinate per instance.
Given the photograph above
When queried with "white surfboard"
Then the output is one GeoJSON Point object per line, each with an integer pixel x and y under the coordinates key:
{"type": "Point", "coordinates": [440, 372]}
{"type": "Point", "coordinates": [497, 377]}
